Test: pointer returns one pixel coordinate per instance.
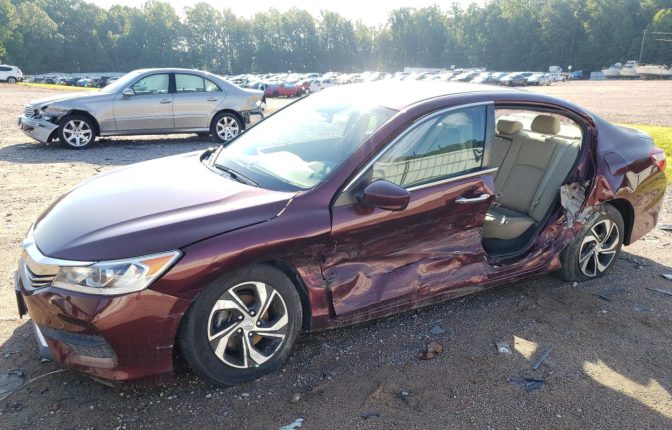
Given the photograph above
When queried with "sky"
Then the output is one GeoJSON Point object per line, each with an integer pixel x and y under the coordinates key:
{"type": "Point", "coordinates": [370, 12]}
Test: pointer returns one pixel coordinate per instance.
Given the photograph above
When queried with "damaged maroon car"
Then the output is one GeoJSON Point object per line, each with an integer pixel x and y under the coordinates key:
{"type": "Point", "coordinates": [354, 203]}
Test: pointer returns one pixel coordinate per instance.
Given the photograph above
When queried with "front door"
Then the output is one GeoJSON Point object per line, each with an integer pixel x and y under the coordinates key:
{"type": "Point", "coordinates": [195, 101]}
{"type": "Point", "coordinates": [379, 258]}
{"type": "Point", "coordinates": [150, 107]}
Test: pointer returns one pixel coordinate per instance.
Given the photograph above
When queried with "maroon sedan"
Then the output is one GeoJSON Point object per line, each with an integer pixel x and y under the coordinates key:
{"type": "Point", "coordinates": [354, 203]}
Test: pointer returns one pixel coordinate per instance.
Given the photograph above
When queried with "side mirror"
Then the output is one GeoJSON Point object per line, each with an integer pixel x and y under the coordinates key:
{"type": "Point", "coordinates": [385, 195]}
{"type": "Point", "coordinates": [128, 92]}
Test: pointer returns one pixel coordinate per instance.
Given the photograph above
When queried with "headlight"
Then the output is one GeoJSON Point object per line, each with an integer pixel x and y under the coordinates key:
{"type": "Point", "coordinates": [115, 277]}
{"type": "Point", "coordinates": [53, 112]}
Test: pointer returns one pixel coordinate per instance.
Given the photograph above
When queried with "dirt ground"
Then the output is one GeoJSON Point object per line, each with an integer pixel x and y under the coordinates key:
{"type": "Point", "coordinates": [608, 367]}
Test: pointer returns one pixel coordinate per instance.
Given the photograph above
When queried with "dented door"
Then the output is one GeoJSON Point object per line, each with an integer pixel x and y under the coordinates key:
{"type": "Point", "coordinates": [382, 258]}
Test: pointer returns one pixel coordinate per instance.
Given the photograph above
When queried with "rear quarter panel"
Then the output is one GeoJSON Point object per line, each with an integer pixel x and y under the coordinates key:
{"type": "Point", "coordinates": [626, 172]}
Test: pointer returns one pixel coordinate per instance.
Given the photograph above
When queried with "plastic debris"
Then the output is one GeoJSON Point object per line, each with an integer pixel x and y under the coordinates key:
{"type": "Point", "coordinates": [608, 294]}
{"type": "Point", "coordinates": [437, 330]}
{"type": "Point", "coordinates": [368, 415]}
{"type": "Point", "coordinates": [297, 423]}
{"type": "Point", "coordinates": [432, 350]}
{"type": "Point", "coordinates": [665, 291]}
{"type": "Point", "coordinates": [664, 227]}
{"type": "Point", "coordinates": [530, 384]}
{"type": "Point", "coordinates": [544, 355]}
{"type": "Point", "coordinates": [11, 381]}
{"type": "Point", "coordinates": [667, 276]}
{"type": "Point", "coordinates": [503, 347]}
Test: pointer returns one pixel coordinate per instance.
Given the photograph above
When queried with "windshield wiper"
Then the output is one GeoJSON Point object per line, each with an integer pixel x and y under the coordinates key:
{"type": "Point", "coordinates": [236, 176]}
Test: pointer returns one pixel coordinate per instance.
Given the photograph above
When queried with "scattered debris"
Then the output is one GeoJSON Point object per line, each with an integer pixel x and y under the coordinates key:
{"type": "Point", "coordinates": [403, 394]}
{"type": "Point", "coordinates": [530, 384]}
{"type": "Point", "coordinates": [664, 227]}
{"type": "Point", "coordinates": [575, 284]}
{"type": "Point", "coordinates": [368, 415]}
{"type": "Point", "coordinates": [667, 276]}
{"type": "Point", "coordinates": [609, 293]}
{"type": "Point", "coordinates": [503, 347]}
{"type": "Point", "coordinates": [665, 291]}
{"type": "Point", "coordinates": [295, 398]}
{"type": "Point", "coordinates": [544, 355]}
{"type": "Point", "coordinates": [637, 307]}
{"type": "Point", "coordinates": [432, 350]}
{"type": "Point", "coordinates": [297, 423]}
{"type": "Point", "coordinates": [11, 381]}
{"type": "Point", "coordinates": [437, 330]}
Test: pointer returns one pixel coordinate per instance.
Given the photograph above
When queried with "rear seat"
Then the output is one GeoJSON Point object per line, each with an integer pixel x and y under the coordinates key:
{"type": "Point", "coordinates": [533, 166]}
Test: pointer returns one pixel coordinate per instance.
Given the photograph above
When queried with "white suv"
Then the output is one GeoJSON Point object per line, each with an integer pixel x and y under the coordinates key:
{"type": "Point", "coordinates": [10, 74]}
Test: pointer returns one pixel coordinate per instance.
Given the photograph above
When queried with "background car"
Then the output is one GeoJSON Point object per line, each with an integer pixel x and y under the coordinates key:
{"type": "Point", "coordinates": [539, 79]}
{"type": "Point", "coordinates": [146, 101]}
{"type": "Point", "coordinates": [10, 74]}
{"type": "Point", "coordinates": [515, 79]}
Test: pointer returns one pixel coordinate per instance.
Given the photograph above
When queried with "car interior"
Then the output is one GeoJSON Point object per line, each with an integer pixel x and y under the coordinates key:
{"type": "Point", "coordinates": [535, 152]}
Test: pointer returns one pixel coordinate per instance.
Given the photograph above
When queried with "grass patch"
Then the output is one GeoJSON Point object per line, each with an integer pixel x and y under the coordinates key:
{"type": "Point", "coordinates": [55, 87]}
{"type": "Point", "coordinates": [662, 137]}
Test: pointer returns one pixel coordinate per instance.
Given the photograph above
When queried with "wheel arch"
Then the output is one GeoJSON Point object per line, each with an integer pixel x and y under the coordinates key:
{"type": "Point", "coordinates": [626, 210]}
{"type": "Point", "coordinates": [290, 271]}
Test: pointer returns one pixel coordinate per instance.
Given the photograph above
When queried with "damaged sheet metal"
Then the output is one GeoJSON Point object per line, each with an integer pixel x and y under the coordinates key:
{"type": "Point", "coordinates": [572, 197]}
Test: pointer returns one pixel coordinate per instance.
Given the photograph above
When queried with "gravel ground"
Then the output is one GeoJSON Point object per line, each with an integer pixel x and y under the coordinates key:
{"type": "Point", "coordinates": [608, 365]}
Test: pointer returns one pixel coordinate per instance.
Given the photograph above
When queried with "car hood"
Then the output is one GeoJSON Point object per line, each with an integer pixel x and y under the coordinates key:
{"type": "Point", "coordinates": [150, 207]}
{"type": "Point", "coordinates": [87, 95]}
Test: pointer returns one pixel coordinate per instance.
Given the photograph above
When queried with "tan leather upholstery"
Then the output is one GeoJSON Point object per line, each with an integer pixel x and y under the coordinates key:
{"type": "Point", "coordinates": [506, 126]}
{"type": "Point", "coordinates": [545, 124]}
{"type": "Point", "coordinates": [530, 174]}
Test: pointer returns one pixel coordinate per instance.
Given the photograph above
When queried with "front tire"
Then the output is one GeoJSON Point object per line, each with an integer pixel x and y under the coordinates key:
{"type": "Point", "coordinates": [242, 326]}
{"type": "Point", "coordinates": [76, 131]}
{"type": "Point", "coordinates": [226, 126]}
{"type": "Point", "coordinates": [596, 248]}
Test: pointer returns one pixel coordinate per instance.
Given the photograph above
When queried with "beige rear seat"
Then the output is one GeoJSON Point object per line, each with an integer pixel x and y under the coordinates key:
{"type": "Point", "coordinates": [531, 172]}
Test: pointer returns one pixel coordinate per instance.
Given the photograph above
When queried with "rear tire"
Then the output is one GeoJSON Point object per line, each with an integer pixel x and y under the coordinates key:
{"type": "Point", "coordinates": [595, 249]}
{"type": "Point", "coordinates": [241, 327]}
{"type": "Point", "coordinates": [226, 126]}
{"type": "Point", "coordinates": [11, 80]}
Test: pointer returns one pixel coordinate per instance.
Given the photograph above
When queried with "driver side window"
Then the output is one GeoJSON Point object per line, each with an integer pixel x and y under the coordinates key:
{"type": "Point", "coordinates": [440, 147]}
{"type": "Point", "coordinates": [151, 85]}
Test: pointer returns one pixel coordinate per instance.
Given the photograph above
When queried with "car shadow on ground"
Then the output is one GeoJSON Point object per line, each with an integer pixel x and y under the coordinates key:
{"type": "Point", "coordinates": [106, 151]}
{"type": "Point", "coordinates": [608, 366]}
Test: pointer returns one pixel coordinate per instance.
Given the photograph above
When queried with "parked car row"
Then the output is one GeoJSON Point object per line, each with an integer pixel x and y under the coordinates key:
{"type": "Point", "coordinates": [73, 81]}
{"type": "Point", "coordinates": [297, 84]}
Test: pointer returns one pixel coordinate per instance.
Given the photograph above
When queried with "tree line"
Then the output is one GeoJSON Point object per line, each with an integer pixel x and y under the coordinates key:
{"type": "Point", "coordinates": [75, 36]}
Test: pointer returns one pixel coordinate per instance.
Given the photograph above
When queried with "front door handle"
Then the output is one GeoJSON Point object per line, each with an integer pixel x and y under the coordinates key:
{"type": "Point", "coordinates": [212, 99]}
{"type": "Point", "coordinates": [165, 101]}
{"type": "Point", "coordinates": [464, 200]}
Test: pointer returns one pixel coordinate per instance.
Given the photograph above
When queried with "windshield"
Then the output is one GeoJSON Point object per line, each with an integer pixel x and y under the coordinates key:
{"type": "Point", "coordinates": [297, 147]}
{"type": "Point", "coordinates": [121, 83]}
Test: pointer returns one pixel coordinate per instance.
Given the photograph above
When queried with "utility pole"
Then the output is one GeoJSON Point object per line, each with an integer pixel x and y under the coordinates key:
{"type": "Point", "coordinates": [641, 50]}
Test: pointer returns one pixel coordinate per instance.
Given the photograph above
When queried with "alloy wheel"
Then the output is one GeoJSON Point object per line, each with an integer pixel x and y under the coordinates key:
{"type": "Point", "coordinates": [248, 324]}
{"type": "Point", "coordinates": [77, 133]}
{"type": "Point", "coordinates": [227, 128]}
{"type": "Point", "coordinates": [599, 248]}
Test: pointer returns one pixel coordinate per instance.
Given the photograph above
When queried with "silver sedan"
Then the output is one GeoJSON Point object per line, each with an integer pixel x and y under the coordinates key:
{"type": "Point", "coordinates": [147, 101]}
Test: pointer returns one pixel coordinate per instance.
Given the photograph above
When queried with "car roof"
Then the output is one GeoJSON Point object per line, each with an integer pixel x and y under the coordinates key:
{"type": "Point", "coordinates": [399, 95]}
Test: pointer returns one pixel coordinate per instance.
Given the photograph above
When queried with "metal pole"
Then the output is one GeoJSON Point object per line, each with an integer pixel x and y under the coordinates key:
{"type": "Point", "coordinates": [641, 50]}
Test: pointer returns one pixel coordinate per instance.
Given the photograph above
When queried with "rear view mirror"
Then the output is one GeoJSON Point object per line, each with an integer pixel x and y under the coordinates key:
{"type": "Point", "coordinates": [128, 92]}
{"type": "Point", "coordinates": [385, 195]}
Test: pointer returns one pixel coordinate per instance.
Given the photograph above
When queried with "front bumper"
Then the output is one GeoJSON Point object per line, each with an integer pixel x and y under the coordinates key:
{"type": "Point", "coordinates": [120, 338]}
{"type": "Point", "coordinates": [37, 128]}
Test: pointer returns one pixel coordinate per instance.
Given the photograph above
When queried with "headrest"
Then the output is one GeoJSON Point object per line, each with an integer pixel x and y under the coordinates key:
{"type": "Point", "coordinates": [545, 124]}
{"type": "Point", "coordinates": [506, 126]}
